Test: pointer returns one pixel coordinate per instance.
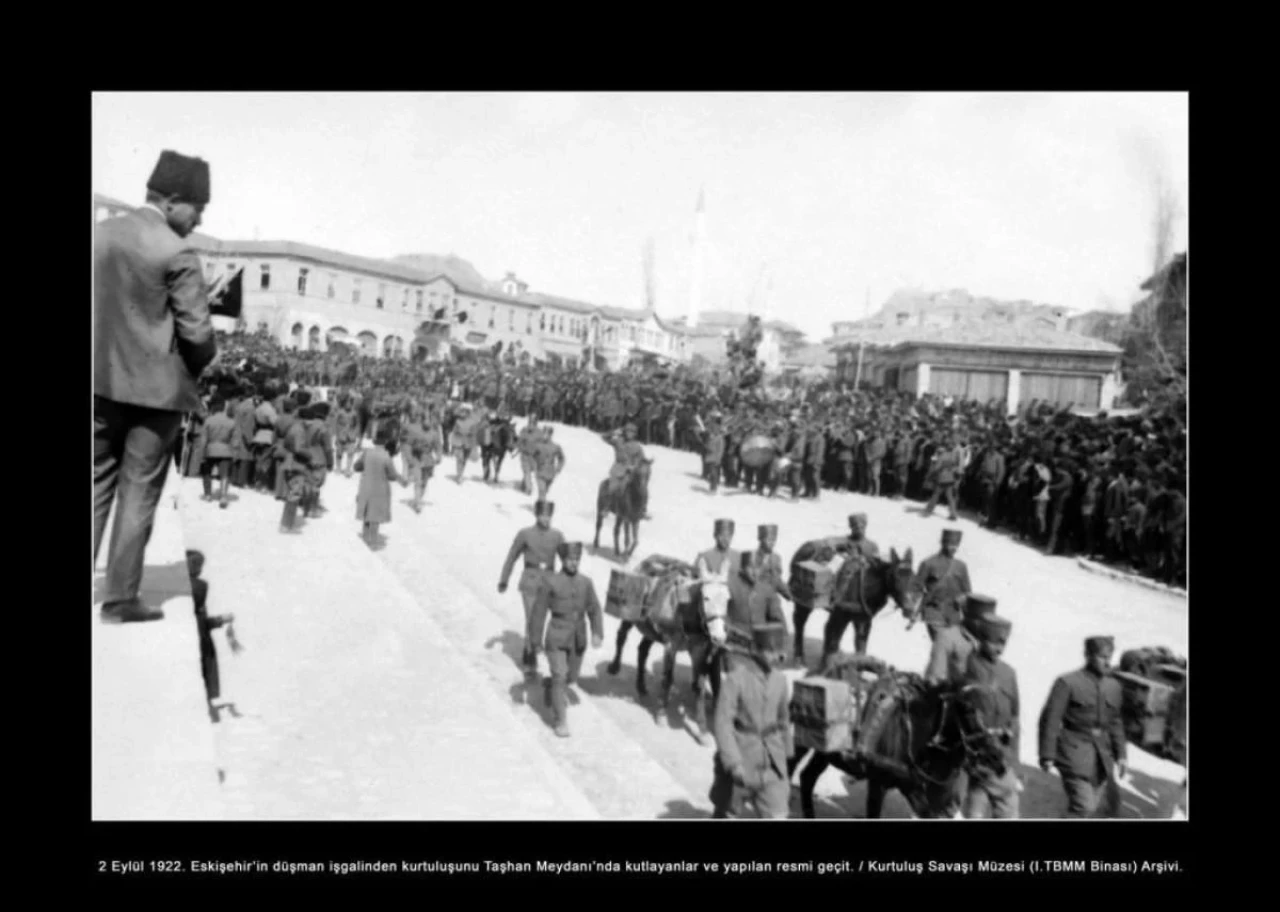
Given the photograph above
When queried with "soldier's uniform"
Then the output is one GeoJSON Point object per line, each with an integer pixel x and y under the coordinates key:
{"type": "Point", "coordinates": [548, 461]}
{"type": "Point", "coordinates": [944, 580]}
{"type": "Point", "coordinates": [875, 451]}
{"type": "Point", "coordinates": [294, 470]}
{"type": "Point", "coordinates": [993, 781]}
{"type": "Point", "coordinates": [753, 733]}
{"type": "Point", "coordinates": [713, 453]}
{"type": "Point", "coordinates": [945, 474]}
{"type": "Point", "coordinates": [1082, 734]}
{"type": "Point", "coordinates": [950, 651]}
{"type": "Point", "coordinates": [858, 552]}
{"type": "Point", "coordinates": [527, 443]}
{"type": "Point", "coordinates": [815, 457]}
{"type": "Point", "coordinates": [538, 547]}
{"type": "Point", "coordinates": [319, 455]}
{"type": "Point", "coordinates": [415, 446]}
{"type": "Point", "coordinates": [564, 604]}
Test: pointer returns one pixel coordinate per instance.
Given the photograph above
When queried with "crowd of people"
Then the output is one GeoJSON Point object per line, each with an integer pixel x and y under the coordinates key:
{"type": "Point", "coordinates": [1106, 487]}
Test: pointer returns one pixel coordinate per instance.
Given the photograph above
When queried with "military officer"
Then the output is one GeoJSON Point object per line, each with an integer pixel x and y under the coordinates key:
{"type": "Point", "coordinates": [527, 443]}
{"type": "Point", "coordinates": [859, 551]}
{"type": "Point", "coordinates": [949, 654]}
{"type": "Point", "coordinates": [753, 732]}
{"type": "Point", "coordinates": [943, 578]}
{"type": "Point", "coordinates": [1082, 733]}
{"type": "Point", "coordinates": [815, 457]}
{"type": "Point", "coordinates": [945, 474]}
{"type": "Point", "coordinates": [549, 461]}
{"type": "Point", "coordinates": [993, 779]}
{"type": "Point", "coordinates": [415, 445]}
{"type": "Point", "coordinates": [319, 456]}
{"type": "Point", "coordinates": [765, 586]}
{"type": "Point", "coordinates": [569, 599]}
{"type": "Point", "coordinates": [713, 452]}
{"type": "Point", "coordinates": [719, 562]}
{"type": "Point", "coordinates": [537, 545]}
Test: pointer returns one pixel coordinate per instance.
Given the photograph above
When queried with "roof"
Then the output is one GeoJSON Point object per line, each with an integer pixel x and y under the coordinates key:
{"type": "Point", "coordinates": [321, 255]}
{"type": "Point", "coordinates": [731, 319]}
{"type": "Point", "coordinates": [811, 356]}
{"type": "Point", "coordinates": [980, 334]}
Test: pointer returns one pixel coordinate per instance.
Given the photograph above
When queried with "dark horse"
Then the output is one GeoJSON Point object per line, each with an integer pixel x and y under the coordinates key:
{"type": "Point", "coordinates": [858, 598]}
{"type": "Point", "coordinates": [911, 736]}
{"type": "Point", "coordinates": [496, 440]}
{"type": "Point", "coordinates": [626, 501]}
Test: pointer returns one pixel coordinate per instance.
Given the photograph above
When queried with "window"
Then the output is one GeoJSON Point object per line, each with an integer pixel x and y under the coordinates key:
{"type": "Point", "coordinates": [333, 285]}
{"type": "Point", "coordinates": [493, 314]}
{"type": "Point", "coordinates": [529, 327]}
{"type": "Point", "coordinates": [264, 276]}
{"type": "Point", "coordinates": [419, 300]}
{"type": "Point", "coordinates": [382, 296]}
{"type": "Point", "coordinates": [542, 323]}
{"type": "Point", "coordinates": [209, 268]}
{"type": "Point", "coordinates": [405, 304]}
{"type": "Point", "coordinates": [511, 318]}
{"type": "Point", "coordinates": [302, 280]}
{"type": "Point", "coordinates": [355, 291]}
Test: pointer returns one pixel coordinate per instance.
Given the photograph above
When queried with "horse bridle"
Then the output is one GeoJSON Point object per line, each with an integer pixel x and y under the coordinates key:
{"type": "Point", "coordinates": [967, 738]}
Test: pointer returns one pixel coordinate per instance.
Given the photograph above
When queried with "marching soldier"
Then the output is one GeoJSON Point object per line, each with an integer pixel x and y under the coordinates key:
{"type": "Point", "coordinates": [377, 470]}
{"type": "Point", "coordinates": [346, 435]}
{"type": "Point", "coordinates": [218, 444]}
{"type": "Point", "coordinates": [874, 450]}
{"type": "Point", "coordinates": [859, 552]}
{"type": "Point", "coordinates": [569, 597]}
{"type": "Point", "coordinates": [319, 454]}
{"type": "Point", "coordinates": [243, 414]}
{"type": "Point", "coordinates": [993, 781]}
{"type": "Point", "coordinates": [294, 468]}
{"type": "Point", "coordinates": [761, 571]}
{"type": "Point", "coordinates": [415, 444]}
{"type": "Point", "coordinates": [537, 545]}
{"type": "Point", "coordinates": [1082, 733]}
{"type": "Point", "coordinates": [949, 654]}
{"type": "Point", "coordinates": [944, 579]}
{"type": "Point", "coordinates": [713, 452]}
{"type": "Point", "coordinates": [945, 474]}
{"type": "Point", "coordinates": [549, 462]}
{"type": "Point", "coordinates": [753, 732]}
{"type": "Point", "coordinates": [815, 457]}
{"type": "Point", "coordinates": [527, 443]}
{"type": "Point", "coordinates": [719, 562]}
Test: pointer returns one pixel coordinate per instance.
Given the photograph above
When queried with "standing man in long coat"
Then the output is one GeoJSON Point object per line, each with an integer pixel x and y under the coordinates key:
{"type": "Point", "coordinates": [152, 338]}
{"type": "Point", "coordinates": [377, 471]}
{"type": "Point", "coordinates": [1082, 733]}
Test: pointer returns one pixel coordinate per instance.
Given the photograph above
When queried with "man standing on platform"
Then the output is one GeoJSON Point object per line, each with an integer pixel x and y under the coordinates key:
{"type": "Point", "coordinates": [569, 597]}
{"type": "Point", "coordinates": [1082, 733]}
{"type": "Point", "coordinates": [944, 579]}
{"type": "Point", "coordinates": [152, 338]}
{"type": "Point", "coordinates": [538, 546]}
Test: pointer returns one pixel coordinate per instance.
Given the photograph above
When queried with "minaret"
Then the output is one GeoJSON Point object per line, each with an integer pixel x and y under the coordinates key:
{"type": "Point", "coordinates": [699, 253]}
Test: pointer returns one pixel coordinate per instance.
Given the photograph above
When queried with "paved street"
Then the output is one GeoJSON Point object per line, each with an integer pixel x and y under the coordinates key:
{"type": "Point", "coordinates": [383, 686]}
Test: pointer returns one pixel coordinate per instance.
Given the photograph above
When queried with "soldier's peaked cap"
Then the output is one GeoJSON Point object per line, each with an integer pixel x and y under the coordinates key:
{"type": "Point", "coordinates": [544, 507]}
{"type": "Point", "coordinates": [979, 606]}
{"type": "Point", "coordinates": [1096, 644]}
{"type": "Point", "coordinates": [767, 530]}
{"type": "Point", "coordinates": [857, 519]}
{"type": "Point", "coordinates": [993, 627]}
{"type": "Point", "coordinates": [182, 176]}
{"type": "Point", "coordinates": [724, 525]}
{"type": "Point", "coordinates": [570, 550]}
{"type": "Point", "coordinates": [951, 536]}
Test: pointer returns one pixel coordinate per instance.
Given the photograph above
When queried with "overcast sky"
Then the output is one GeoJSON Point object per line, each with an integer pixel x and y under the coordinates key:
{"type": "Point", "coordinates": [1041, 197]}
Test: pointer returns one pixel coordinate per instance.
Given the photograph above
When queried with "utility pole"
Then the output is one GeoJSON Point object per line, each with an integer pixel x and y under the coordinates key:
{"type": "Point", "coordinates": [862, 342]}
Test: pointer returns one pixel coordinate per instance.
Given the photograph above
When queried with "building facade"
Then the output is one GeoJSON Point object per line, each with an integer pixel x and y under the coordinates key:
{"type": "Point", "coordinates": [310, 297]}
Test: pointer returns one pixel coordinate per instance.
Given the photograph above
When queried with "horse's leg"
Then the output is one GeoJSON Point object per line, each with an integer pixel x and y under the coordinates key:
{"type": "Point", "coordinates": [617, 527]}
{"type": "Point", "coordinates": [798, 617]}
{"type": "Point", "coordinates": [668, 679]}
{"type": "Point", "coordinates": [642, 662]}
{"type": "Point", "coordinates": [600, 511]}
{"type": "Point", "coordinates": [809, 779]}
{"type": "Point", "coordinates": [616, 665]}
{"type": "Point", "coordinates": [876, 790]}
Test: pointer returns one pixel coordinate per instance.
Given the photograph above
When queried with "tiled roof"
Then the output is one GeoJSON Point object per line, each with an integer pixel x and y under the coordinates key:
{"type": "Point", "coordinates": [320, 255]}
{"type": "Point", "coordinates": [1028, 336]}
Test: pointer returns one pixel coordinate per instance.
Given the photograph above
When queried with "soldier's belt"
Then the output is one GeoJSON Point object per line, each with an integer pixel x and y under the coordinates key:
{"type": "Point", "coordinates": [752, 730]}
{"type": "Point", "coordinates": [535, 567]}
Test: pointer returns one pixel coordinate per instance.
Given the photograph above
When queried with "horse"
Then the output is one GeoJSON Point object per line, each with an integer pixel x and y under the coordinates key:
{"type": "Point", "coordinates": [699, 629]}
{"type": "Point", "coordinates": [626, 501]}
{"type": "Point", "coordinates": [865, 594]}
{"type": "Point", "coordinates": [497, 438]}
{"type": "Point", "coordinates": [911, 736]}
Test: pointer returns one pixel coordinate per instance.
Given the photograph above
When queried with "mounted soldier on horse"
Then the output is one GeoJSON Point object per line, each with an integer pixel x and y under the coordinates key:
{"type": "Point", "coordinates": [625, 493]}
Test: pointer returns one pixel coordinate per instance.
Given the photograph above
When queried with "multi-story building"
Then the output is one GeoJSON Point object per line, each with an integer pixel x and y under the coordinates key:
{"type": "Point", "coordinates": [309, 297]}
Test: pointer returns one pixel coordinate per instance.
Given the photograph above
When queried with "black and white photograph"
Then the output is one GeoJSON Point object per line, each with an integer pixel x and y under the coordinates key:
{"type": "Point", "coordinates": [640, 456]}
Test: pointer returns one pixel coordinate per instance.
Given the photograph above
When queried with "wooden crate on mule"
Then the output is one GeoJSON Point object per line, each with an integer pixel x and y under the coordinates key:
{"type": "Point", "coordinates": [627, 591]}
{"type": "Point", "coordinates": [814, 584]}
{"type": "Point", "coordinates": [823, 714]}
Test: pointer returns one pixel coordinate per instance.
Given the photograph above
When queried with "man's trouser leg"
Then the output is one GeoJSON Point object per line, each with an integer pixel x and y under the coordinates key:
{"type": "Point", "coordinates": [558, 660]}
{"type": "Point", "coordinates": [933, 500]}
{"type": "Point", "coordinates": [544, 485]}
{"type": "Point", "coordinates": [130, 463]}
{"type": "Point", "coordinates": [529, 659]}
{"type": "Point", "coordinates": [873, 479]}
{"type": "Point", "coordinates": [833, 633]}
{"type": "Point", "coordinates": [951, 500]}
{"type": "Point", "coordinates": [992, 797]}
{"type": "Point", "coordinates": [722, 791]}
{"type": "Point", "coordinates": [773, 798]}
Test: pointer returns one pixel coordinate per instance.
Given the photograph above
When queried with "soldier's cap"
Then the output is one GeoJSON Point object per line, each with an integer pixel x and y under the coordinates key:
{"type": "Point", "coordinates": [992, 628]}
{"type": "Point", "coordinates": [767, 530]}
{"type": "Point", "coordinates": [978, 606]}
{"type": "Point", "coordinates": [544, 506]}
{"type": "Point", "coordinates": [1096, 645]}
{"type": "Point", "coordinates": [302, 397]}
{"type": "Point", "coordinates": [951, 536]}
{"type": "Point", "coordinates": [306, 413]}
{"type": "Point", "coordinates": [857, 519]}
{"type": "Point", "coordinates": [724, 525]}
{"type": "Point", "coordinates": [320, 410]}
{"type": "Point", "coordinates": [182, 176]}
{"type": "Point", "coordinates": [570, 550]}
{"type": "Point", "coordinates": [769, 637]}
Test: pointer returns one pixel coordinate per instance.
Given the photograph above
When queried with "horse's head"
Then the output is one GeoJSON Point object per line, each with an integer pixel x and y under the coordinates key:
{"type": "Point", "coordinates": [970, 706]}
{"type": "Point", "coordinates": [900, 579]}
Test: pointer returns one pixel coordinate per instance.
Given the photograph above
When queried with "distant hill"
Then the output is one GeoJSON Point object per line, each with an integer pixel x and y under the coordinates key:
{"type": "Point", "coordinates": [452, 265]}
